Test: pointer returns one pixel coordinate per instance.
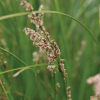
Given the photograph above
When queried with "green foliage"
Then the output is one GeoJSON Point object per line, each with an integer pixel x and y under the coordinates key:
{"type": "Point", "coordinates": [69, 36]}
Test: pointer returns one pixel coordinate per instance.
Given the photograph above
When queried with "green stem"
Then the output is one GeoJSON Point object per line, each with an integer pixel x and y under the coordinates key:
{"type": "Point", "coordinates": [27, 67]}
{"type": "Point", "coordinates": [65, 90]}
{"type": "Point", "coordinates": [43, 85]}
{"type": "Point", "coordinates": [16, 58]}
{"type": "Point", "coordinates": [64, 85]}
{"type": "Point", "coordinates": [13, 55]}
{"type": "Point", "coordinates": [54, 86]}
{"type": "Point", "coordinates": [4, 90]}
{"type": "Point", "coordinates": [23, 68]}
{"type": "Point", "coordinates": [58, 61]}
{"type": "Point", "coordinates": [46, 87]}
{"type": "Point", "coordinates": [55, 12]}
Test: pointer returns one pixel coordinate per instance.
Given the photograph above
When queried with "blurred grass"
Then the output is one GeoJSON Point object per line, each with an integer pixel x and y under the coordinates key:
{"type": "Point", "coordinates": [67, 33]}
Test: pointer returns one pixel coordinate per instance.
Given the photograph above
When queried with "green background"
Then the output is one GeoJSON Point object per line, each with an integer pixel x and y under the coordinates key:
{"type": "Point", "coordinates": [69, 36]}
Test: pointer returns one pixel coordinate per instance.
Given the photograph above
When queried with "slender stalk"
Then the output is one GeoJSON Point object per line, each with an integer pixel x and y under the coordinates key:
{"type": "Point", "coordinates": [46, 88]}
{"type": "Point", "coordinates": [58, 62]}
{"type": "Point", "coordinates": [13, 55]}
{"type": "Point", "coordinates": [55, 12]}
{"type": "Point", "coordinates": [43, 85]}
{"type": "Point", "coordinates": [61, 22]}
{"type": "Point", "coordinates": [65, 90]}
{"type": "Point", "coordinates": [23, 68]}
{"type": "Point", "coordinates": [64, 85]}
{"type": "Point", "coordinates": [4, 90]}
{"type": "Point", "coordinates": [54, 86]}
{"type": "Point", "coordinates": [27, 67]}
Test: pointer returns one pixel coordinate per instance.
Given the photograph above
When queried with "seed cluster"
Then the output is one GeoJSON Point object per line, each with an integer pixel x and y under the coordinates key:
{"type": "Point", "coordinates": [58, 85]}
{"type": "Point", "coordinates": [41, 39]}
{"type": "Point", "coordinates": [26, 5]}
{"type": "Point", "coordinates": [57, 88]}
{"type": "Point", "coordinates": [51, 67]}
{"type": "Point", "coordinates": [96, 81]}
{"type": "Point", "coordinates": [94, 98]}
{"type": "Point", "coordinates": [39, 56]}
{"type": "Point", "coordinates": [69, 93]}
{"type": "Point", "coordinates": [3, 63]}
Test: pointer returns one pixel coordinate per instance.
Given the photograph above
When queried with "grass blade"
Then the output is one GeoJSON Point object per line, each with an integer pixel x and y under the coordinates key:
{"type": "Point", "coordinates": [55, 12]}
{"type": "Point", "coordinates": [26, 67]}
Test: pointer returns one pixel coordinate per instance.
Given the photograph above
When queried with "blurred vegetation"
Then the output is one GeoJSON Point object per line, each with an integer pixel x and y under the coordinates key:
{"type": "Point", "coordinates": [81, 54]}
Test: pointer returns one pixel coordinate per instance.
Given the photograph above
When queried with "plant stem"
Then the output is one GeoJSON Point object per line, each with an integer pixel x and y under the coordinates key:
{"type": "Point", "coordinates": [13, 55]}
{"type": "Point", "coordinates": [64, 85]}
{"type": "Point", "coordinates": [58, 61]}
{"type": "Point", "coordinates": [4, 90]}
{"type": "Point", "coordinates": [54, 86]}
{"type": "Point", "coordinates": [55, 12]}
{"type": "Point", "coordinates": [22, 68]}
{"type": "Point", "coordinates": [65, 89]}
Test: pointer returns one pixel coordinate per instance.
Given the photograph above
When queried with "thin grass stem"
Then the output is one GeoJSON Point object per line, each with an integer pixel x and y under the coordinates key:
{"type": "Point", "coordinates": [55, 12]}
{"type": "Point", "coordinates": [54, 86]}
{"type": "Point", "coordinates": [23, 68]}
